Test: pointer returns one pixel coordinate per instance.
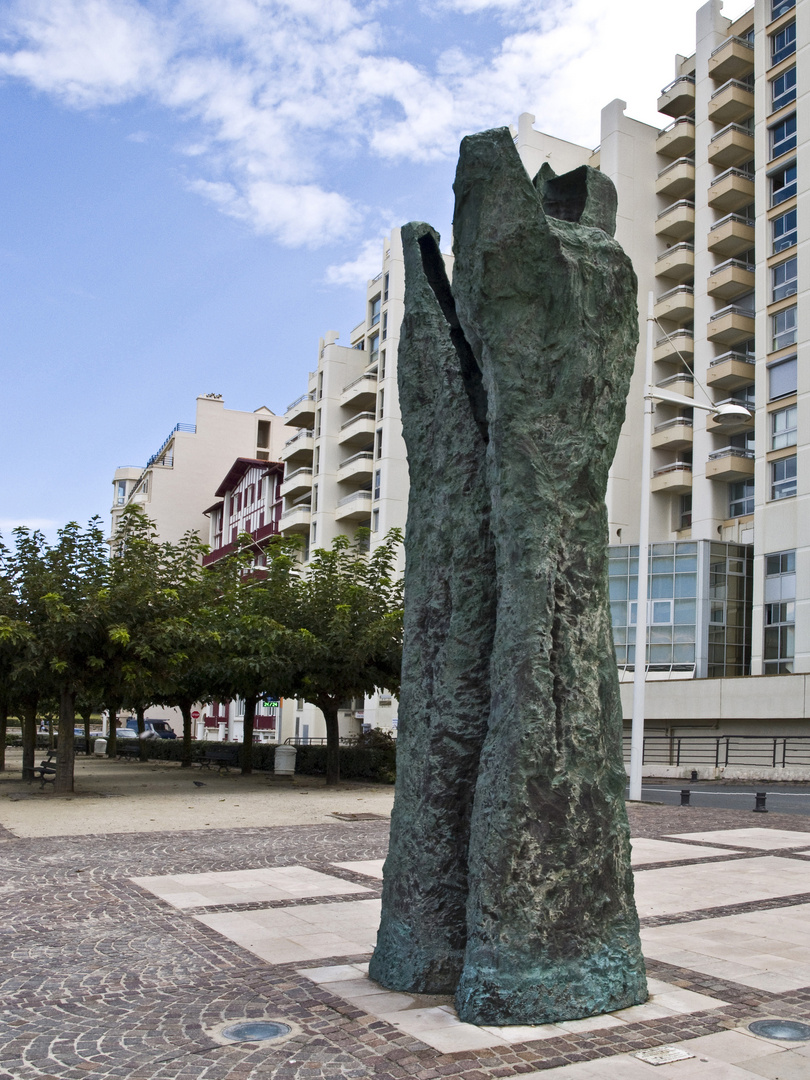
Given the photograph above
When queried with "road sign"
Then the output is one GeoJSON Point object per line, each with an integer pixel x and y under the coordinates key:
{"type": "Point", "coordinates": [195, 715]}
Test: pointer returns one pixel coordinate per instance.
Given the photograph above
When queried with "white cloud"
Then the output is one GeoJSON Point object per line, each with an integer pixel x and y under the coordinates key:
{"type": "Point", "coordinates": [272, 92]}
{"type": "Point", "coordinates": [357, 271]}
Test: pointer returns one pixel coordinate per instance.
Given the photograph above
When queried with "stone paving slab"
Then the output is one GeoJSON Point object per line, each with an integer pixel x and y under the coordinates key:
{"type": "Point", "coordinates": [102, 978]}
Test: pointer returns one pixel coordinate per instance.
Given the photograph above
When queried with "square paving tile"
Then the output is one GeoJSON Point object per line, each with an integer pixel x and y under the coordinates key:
{"type": "Point", "coordinates": [297, 934]}
{"type": "Point", "coordinates": [648, 851]}
{"type": "Point", "coordinates": [240, 886]}
{"type": "Point", "coordinates": [433, 1020]}
{"type": "Point", "coordinates": [767, 950]}
{"type": "Point", "coordinates": [763, 839]}
{"type": "Point", "coordinates": [676, 889]}
{"type": "Point", "coordinates": [370, 867]}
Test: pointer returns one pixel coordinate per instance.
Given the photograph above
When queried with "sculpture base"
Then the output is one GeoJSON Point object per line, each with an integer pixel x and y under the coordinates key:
{"type": "Point", "coordinates": [410, 967]}
{"type": "Point", "coordinates": [555, 991]}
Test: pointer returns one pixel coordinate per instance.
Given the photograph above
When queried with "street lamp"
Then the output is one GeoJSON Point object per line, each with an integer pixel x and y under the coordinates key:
{"type": "Point", "coordinates": [725, 415]}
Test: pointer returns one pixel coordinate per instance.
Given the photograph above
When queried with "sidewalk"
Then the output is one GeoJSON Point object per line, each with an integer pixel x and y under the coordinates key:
{"type": "Point", "coordinates": [128, 949]}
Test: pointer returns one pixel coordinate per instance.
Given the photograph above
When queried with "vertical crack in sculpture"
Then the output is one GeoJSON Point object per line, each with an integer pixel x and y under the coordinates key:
{"type": "Point", "coordinates": [510, 787]}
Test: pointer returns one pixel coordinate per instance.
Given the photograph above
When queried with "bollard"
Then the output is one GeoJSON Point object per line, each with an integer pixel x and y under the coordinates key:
{"type": "Point", "coordinates": [685, 793]}
{"type": "Point", "coordinates": [759, 805]}
{"type": "Point", "coordinates": [694, 775]}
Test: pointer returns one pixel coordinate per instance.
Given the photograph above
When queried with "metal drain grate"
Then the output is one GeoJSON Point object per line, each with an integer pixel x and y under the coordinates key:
{"type": "Point", "coordinates": [255, 1030]}
{"type": "Point", "coordinates": [792, 1030]}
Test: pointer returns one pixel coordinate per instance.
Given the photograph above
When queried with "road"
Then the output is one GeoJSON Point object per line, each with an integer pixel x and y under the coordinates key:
{"type": "Point", "coordinates": [782, 798]}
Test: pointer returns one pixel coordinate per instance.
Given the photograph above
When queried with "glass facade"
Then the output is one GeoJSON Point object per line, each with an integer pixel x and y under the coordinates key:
{"type": "Point", "coordinates": [699, 607]}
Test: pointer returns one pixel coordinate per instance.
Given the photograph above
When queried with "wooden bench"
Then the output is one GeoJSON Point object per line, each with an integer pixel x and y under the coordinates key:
{"type": "Point", "coordinates": [223, 757]}
{"type": "Point", "coordinates": [129, 748]}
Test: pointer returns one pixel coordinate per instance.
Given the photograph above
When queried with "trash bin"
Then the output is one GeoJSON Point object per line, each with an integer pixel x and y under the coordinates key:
{"type": "Point", "coordinates": [284, 761]}
{"type": "Point", "coordinates": [100, 747]}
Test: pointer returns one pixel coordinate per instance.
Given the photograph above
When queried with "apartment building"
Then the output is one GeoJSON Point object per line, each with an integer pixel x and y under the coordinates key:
{"type": "Point", "coordinates": [708, 212]}
{"type": "Point", "coordinates": [175, 486]}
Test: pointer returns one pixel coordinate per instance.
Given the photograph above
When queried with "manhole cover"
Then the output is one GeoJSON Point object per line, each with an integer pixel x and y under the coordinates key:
{"type": "Point", "coordinates": [255, 1030]}
{"type": "Point", "coordinates": [781, 1029]}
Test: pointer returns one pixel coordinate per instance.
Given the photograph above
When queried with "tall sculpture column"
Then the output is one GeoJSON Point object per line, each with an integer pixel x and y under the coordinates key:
{"type": "Point", "coordinates": [544, 300]}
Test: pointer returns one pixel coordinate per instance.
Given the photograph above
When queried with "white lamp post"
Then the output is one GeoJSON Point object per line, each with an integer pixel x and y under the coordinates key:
{"type": "Point", "coordinates": [726, 415]}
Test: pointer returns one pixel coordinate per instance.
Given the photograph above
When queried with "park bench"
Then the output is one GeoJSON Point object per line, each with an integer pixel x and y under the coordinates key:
{"type": "Point", "coordinates": [221, 756]}
{"type": "Point", "coordinates": [46, 770]}
{"type": "Point", "coordinates": [128, 749]}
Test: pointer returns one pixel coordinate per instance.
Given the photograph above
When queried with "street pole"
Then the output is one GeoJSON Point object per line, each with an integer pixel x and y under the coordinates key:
{"type": "Point", "coordinates": [640, 665]}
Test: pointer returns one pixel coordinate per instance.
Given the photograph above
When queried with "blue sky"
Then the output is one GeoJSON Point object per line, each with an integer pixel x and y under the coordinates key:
{"type": "Point", "coordinates": [193, 191]}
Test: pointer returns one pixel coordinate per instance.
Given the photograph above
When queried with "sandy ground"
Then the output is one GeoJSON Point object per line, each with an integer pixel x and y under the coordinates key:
{"type": "Point", "coordinates": [130, 796]}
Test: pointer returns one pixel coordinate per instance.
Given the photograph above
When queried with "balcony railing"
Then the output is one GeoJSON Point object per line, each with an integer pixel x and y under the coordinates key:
{"type": "Point", "coordinates": [743, 358]}
{"type": "Point", "coordinates": [733, 309]}
{"type": "Point", "coordinates": [354, 495]}
{"type": "Point", "coordinates": [674, 466]}
{"type": "Point", "coordinates": [731, 451]}
{"type": "Point", "coordinates": [739, 40]}
{"type": "Point", "coordinates": [359, 379]}
{"type": "Point", "coordinates": [680, 78]}
{"type": "Point", "coordinates": [742, 173]}
{"type": "Point", "coordinates": [297, 509]}
{"type": "Point", "coordinates": [732, 127]}
{"type": "Point", "coordinates": [673, 423]}
{"type": "Point", "coordinates": [677, 333]}
{"type": "Point", "coordinates": [680, 204]}
{"type": "Point", "coordinates": [682, 376]}
{"type": "Point", "coordinates": [729, 263]}
{"type": "Point", "coordinates": [359, 416]}
{"type": "Point", "coordinates": [732, 217]}
{"type": "Point", "coordinates": [674, 165]}
{"type": "Point", "coordinates": [298, 400]}
{"type": "Point", "coordinates": [302, 433]}
{"type": "Point", "coordinates": [674, 249]}
{"type": "Point", "coordinates": [679, 290]}
{"type": "Point", "coordinates": [364, 455]}
{"type": "Point", "coordinates": [177, 427]}
{"type": "Point", "coordinates": [732, 82]}
{"type": "Point", "coordinates": [297, 472]}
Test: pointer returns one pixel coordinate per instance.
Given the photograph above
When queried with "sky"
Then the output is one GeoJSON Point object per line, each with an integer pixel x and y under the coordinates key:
{"type": "Point", "coordinates": [193, 191]}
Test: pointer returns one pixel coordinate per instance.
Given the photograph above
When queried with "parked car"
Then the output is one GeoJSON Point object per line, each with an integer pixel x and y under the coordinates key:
{"type": "Point", "coordinates": [158, 729]}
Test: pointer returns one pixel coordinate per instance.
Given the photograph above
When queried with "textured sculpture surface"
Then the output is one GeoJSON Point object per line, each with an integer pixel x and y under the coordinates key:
{"type": "Point", "coordinates": [508, 879]}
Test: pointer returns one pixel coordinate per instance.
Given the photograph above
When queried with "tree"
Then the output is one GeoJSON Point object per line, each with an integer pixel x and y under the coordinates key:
{"type": "Point", "coordinates": [348, 611]}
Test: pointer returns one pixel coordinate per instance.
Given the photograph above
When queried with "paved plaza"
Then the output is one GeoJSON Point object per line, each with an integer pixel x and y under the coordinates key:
{"type": "Point", "coordinates": [125, 953]}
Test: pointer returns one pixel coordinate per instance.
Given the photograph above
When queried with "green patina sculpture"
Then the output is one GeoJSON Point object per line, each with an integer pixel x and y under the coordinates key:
{"type": "Point", "coordinates": [508, 879]}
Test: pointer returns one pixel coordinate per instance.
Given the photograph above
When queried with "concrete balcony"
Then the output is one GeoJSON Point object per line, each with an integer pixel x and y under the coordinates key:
{"type": "Point", "coordinates": [302, 412]}
{"type": "Point", "coordinates": [730, 326]}
{"type": "Point", "coordinates": [358, 430]}
{"type": "Point", "coordinates": [731, 146]}
{"type": "Point", "coordinates": [730, 279]}
{"type": "Point", "coordinates": [677, 221]}
{"type": "Point", "coordinates": [297, 483]}
{"type": "Point", "coordinates": [731, 371]}
{"type": "Point", "coordinates": [354, 507]}
{"type": "Point", "coordinates": [682, 383]}
{"type": "Point", "coordinates": [734, 59]}
{"type": "Point", "coordinates": [731, 190]}
{"type": "Point", "coordinates": [677, 263]}
{"type": "Point", "coordinates": [678, 99]}
{"type": "Point", "coordinates": [730, 464]}
{"type": "Point", "coordinates": [677, 180]}
{"type": "Point", "coordinates": [677, 305]}
{"type": "Point", "coordinates": [675, 479]}
{"type": "Point", "coordinates": [678, 139]}
{"type": "Point", "coordinates": [296, 520]}
{"type": "Point", "coordinates": [358, 466]}
{"type": "Point", "coordinates": [670, 349]}
{"type": "Point", "coordinates": [297, 451]}
{"type": "Point", "coordinates": [672, 435]}
{"type": "Point", "coordinates": [361, 392]}
{"type": "Point", "coordinates": [733, 102]}
{"type": "Point", "coordinates": [731, 235]}
{"type": "Point", "coordinates": [737, 428]}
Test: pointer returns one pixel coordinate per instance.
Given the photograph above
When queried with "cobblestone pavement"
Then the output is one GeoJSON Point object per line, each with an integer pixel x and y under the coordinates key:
{"type": "Point", "coordinates": [100, 978]}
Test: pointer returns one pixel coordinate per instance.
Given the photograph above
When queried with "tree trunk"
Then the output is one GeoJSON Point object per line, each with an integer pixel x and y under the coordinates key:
{"type": "Point", "coordinates": [139, 711]}
{"type": "Point", "coordinates": [330, 715]}
{"type": "Point", "coordinates": [185, 709]}
{"type": "Point", "coordinates": [112, 737]}
{"type": "Point", "coordinates": [29, 737]}
{"type": "Point", "coordinates": [247, 735]}
{"type": "Point", "coordinates": [3, 729]}
{"type": "Point", "coordinates": [65, 757]}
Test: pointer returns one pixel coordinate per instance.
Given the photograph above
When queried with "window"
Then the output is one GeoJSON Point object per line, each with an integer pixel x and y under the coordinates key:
{"type": "Point", "coordinates": [378, 444]}
{"type": "Point", "coordinates": [313, 532]}
{"type": "Point", "coordinates": [318, 424]}
{"type": "Point", "coordinates": [784, 231]}
{"type": "Point", "coordinates": [239, 502]}
{"type": "Point", "coordinates": [783, 136]}
{"type": "Point", "coordinates": [374, 311]}
{"type": "Point", "coordinates": [783, 478]}
{"type": "Point", "coordinates": [317, 468]}
{"type": "Point", "coordinates": [320, 385]}
{"type": "Point", "coordinates": [685, 512]}
{"type": "Point", "coordinates": [382, 364]}
{"type": "Point", "coordinates": [783, 184]}
{"type": "Point", "coordinates": [782, 378]}
{"type": "Point", "coordinates": [120, 493]}
{"type": "Point", "coordinates": [386, 280]}
{"type": "Point", "coordinates": [779, 7]}
{"type": "Point", "coordinates": [779, 612]}
{"type": "Point", "coordinates": [384, 325]}
{"type": "Point", "coordinates": [314, 498]}
{"type": "Point", "coordinates": [375, 520]}
{"type": "Point", "coordinates": [783, 89]}
{"type": "Point", "coordinates": [380, 404]}
{"type": "Point", "coordinates": [741, 498]}
{"type": "Point", "coordinates": [374, 348]}
{"type": "Point", "coordinates": [783, 43]}
{"type": "Point", "coordinates": [783, 325]}
{"type": "Point", "coordinates": [377, 473]}
{"type": "Point", "coordinates": [263, 435]}
{"type": "Point", "coordinates": [783, 279]}
{"type": "Point", "coordinates": [783, 428]}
